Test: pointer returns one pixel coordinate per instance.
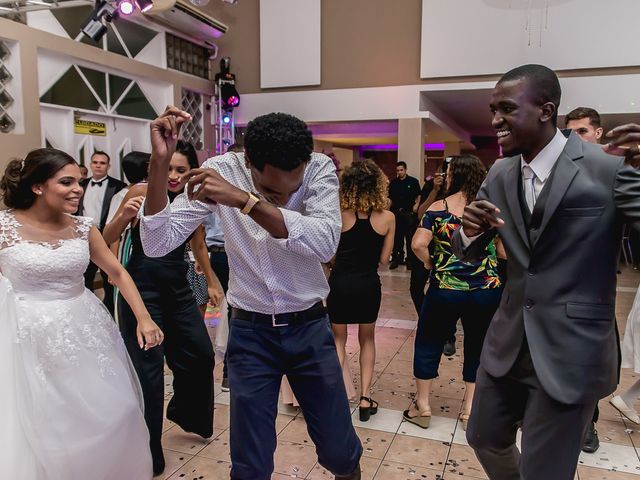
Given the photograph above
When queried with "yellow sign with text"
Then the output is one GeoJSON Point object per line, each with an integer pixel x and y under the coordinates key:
{"type": "Point", "coordinates": [85, 127]}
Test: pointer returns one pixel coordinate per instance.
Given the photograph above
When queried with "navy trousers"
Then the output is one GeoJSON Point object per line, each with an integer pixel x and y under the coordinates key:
{"type": "Point", "coordinates": [258, 355]}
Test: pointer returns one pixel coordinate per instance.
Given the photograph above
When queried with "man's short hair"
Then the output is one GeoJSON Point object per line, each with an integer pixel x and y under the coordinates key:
{"type": "Point", "coordinates": [543, 81]}
{"type": "Point", "coordinates": [584, 112]}
{"type": "Point", "coordinates": [100, 152]}
{"type": "Point", "coordinates": [135, 166]}
{"type": "Point", "coordinates": [278, 139]}
{"type": "Point", "coordinates": [236, 148]}
{"type": "Point", "coordinates": [401, 164]}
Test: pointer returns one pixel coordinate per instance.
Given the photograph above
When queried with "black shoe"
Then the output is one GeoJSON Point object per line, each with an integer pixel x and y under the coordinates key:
{"type": "Point", "coordinates": [225, 384]}
{"type": "Point", "coordinates": [356, 475]}
{"type": "Point", "coordinates": [449, 348]}
{"type": "Point", "coordinates": [591, 441]}
{"type": "Point", "coordinates": [393, 265]}
{"type": "Point", "coordinates": [366, 412]}
{"type": "Point", "coordinates": [158, 466]}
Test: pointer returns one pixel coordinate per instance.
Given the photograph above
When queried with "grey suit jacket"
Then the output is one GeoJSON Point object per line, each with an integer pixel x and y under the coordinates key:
{"type": "Point", "coordinates": [562, 282]}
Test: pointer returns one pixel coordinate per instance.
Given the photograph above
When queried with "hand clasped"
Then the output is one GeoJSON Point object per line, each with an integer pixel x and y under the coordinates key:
{"type": "Point", "coordinates": [206, 185]}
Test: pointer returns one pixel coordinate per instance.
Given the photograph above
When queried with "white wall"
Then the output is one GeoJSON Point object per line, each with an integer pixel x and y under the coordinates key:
{"type": "Point", "coordinates": [472, 37]}
{"type": "Point", "coordinates": [289, 43]}
{"type": "Point", "coordinates": [610, 94]}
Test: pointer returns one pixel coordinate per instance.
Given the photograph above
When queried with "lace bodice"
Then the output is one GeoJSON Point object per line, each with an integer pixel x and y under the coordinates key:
{"type": "Point", "coordinates": [41, 263]}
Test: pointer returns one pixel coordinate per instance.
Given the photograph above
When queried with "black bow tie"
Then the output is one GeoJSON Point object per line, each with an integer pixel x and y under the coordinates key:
{"type": "Point", "coordinates": [96, 184]}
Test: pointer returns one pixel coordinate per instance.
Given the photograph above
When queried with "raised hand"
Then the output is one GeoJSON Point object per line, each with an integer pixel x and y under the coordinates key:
{"type": "Point", "coordinates": [438, 182]}
{"type": "Point", "coordinates": [625, 142]}
{"type": "Point", "coordinates": [479, 217]}
{"type": "Point", "coordinates": [164, 133]}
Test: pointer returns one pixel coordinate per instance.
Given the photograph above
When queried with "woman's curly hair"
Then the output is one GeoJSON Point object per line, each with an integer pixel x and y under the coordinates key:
{"type": "Point", "coordinates": [467, 174]}
{"type": "Point", "coordinates": [364, 187]}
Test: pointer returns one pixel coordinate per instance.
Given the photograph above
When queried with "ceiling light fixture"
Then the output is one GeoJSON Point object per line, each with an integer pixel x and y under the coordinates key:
{"type": "Point", "coordinates": [126, 7]}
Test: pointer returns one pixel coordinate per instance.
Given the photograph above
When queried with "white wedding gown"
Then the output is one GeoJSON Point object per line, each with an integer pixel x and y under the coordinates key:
{"type": "Point", "coordinates": [71, 404]}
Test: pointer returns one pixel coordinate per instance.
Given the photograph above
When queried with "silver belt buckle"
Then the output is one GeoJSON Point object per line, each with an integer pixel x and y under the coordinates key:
{"type": "Point", "coordinates": [274, 322]}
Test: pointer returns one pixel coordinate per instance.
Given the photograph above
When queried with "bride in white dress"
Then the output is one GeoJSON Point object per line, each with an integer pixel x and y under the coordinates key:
{"type": "Point", "coordinates": [71, 404]}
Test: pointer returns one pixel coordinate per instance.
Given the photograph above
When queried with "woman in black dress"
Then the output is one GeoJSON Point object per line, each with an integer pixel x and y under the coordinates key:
{"type": "Point", "coordinates": [163, 285]}
{"type": "Point", "coordinates": [366, 242]}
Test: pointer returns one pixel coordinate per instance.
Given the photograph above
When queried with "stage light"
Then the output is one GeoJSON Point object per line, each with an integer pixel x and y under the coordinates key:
{"type": "Point", "coordinates": [126, 7]}
{"type": "Point", "coordinates": [226, 119]}
{"type": "Point", "coordinates": [144, 5]}
{"type": "Point", "coordinates": [94, 29]}
{"type": "Point", "coordinates": [95, 26]}
{"type": "Point", "coordinates": [230, 96]}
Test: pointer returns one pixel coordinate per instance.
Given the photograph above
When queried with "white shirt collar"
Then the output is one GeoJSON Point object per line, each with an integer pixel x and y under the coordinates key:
{"type": "Point", "coordinates": [99, 180]}
{"type": "Point", "coordinates": [543, 163]}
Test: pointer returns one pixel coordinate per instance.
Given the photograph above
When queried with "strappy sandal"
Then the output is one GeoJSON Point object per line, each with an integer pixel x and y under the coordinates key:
{"type": "Point", "coordinates": [420, 420]}
{"type": "Point", "coordinates": [366, 412]}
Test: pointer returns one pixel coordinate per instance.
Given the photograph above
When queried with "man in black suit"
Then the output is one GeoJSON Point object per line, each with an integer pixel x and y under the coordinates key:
{"type": "Point", "coordinates": [551, 352]}
{"type": "Point", "coordinates": [98, 192]}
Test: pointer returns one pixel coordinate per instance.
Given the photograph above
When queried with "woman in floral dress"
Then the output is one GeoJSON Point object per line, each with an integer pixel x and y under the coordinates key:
{"type": "Point", "coordinates": [457, 290]}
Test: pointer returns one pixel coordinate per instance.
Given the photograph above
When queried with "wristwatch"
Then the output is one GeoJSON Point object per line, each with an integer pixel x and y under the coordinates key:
{"type": "Point", "coordinates": [251, 202]}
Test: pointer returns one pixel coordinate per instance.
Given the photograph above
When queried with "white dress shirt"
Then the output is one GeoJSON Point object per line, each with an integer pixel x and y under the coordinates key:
{"type": "Point", "coordinates": [542, 164]}
{"type": "Point", "coordinates": [267, 275]}
{"type": "Point", "coordinates": [94, 198]}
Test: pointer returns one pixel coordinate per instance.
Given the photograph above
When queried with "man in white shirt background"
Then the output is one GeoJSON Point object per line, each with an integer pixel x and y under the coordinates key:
{"type": "Point", "coordinates": [99, 189]}
{"type": "Point", "coordinates": [279, 210]}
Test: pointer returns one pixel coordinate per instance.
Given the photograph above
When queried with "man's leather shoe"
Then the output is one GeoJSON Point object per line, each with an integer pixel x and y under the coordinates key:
{"type": "Point", "coordinates": [591, 441]}
{"type": "Point", "coordinates": [356, 475]}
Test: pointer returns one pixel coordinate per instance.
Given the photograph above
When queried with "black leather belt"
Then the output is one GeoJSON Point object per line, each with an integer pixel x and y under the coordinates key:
{"type": "Point", "coordinates": [281, 319]}
{"type": "Point", "coordinates": [215, 249]}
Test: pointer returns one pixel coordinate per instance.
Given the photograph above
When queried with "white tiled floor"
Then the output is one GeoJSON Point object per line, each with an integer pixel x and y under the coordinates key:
{"type": "Point", "coordinates": [393, 449]}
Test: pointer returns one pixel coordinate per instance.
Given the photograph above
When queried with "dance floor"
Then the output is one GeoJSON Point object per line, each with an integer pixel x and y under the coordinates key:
{"type": "Point", "coordinates": [394, 450]}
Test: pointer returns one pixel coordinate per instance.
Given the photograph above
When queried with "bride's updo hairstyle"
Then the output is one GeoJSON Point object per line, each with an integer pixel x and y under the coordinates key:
{"type": "Point", "coordinates": [21, 175]}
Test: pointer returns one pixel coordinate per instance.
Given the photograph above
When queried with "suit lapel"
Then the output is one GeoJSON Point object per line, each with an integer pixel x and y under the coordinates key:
{"type": "Point", "coordinates": [565, 171]}
{"type": "Point", "coordinates": [511, 179]}
{"type": "Point", "coordinates": [108, 195]}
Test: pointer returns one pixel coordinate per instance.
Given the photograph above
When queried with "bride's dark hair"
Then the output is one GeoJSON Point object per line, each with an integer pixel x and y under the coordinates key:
{"type": "Point", "coordinates": [21, 175]}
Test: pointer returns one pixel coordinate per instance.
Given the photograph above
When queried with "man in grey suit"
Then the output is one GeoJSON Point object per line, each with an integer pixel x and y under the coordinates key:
{"type": "Point", "coordinates": [550, 353]}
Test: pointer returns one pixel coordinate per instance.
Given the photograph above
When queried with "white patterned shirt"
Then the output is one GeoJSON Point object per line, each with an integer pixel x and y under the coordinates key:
{"type": "Point", "coordinates": [267, 274]}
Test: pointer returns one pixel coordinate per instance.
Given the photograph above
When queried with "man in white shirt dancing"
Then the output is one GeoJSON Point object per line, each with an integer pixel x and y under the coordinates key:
{"type": "Point", "coordinates": [278, 204]}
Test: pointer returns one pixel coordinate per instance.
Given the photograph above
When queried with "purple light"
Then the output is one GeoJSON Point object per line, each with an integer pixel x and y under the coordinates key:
{"type": "Point", "coordinates": [125, 7]}
{"type": "Point", "coordinates": [394, 146]}
{"type": "Point", "coordinates": [233, 101]}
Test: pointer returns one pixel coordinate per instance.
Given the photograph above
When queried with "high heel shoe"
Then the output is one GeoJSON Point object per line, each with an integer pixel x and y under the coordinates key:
{"type": "Point", "coordinates": [420, 420]}
{"type": "Point", "coordinates": [629, 412]}
{"type": "Point", "coordinates": [464, 419]}
{"type": "Point", "coordinates": [366, 412]}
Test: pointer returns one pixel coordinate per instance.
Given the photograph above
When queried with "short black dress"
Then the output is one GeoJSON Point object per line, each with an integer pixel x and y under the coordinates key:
{"type": "Point", "coordinates": [355, 285]}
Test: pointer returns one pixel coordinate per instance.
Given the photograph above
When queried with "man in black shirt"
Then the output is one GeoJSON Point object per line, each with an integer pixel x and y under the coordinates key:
{"type": "Point", "coordinates": [403, 192]}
